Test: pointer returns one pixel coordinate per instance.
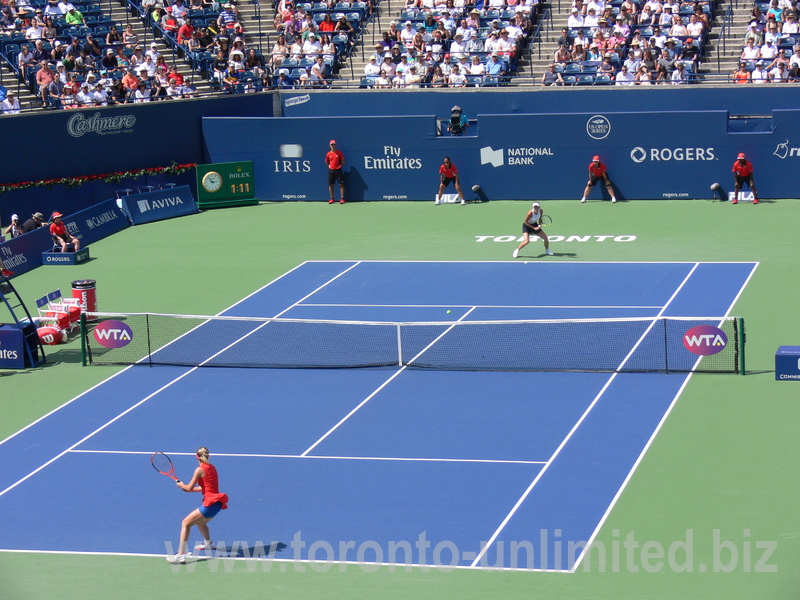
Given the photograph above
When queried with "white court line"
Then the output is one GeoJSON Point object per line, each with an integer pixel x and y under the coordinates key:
{"type": "Point", "coordinates": [572, 431]}
{"type": "Point", "coordinates": [478, 305]}
{"type": "Point", "coordinates": [326, 457]}
{"type": "Point", "coordinates": [563, 262]}
{"type": "Point", "coordinates": [162, 388]}
{"type": "Point", "coordinates": [196, 559]}
{"type": "Point", "coordinates": [652, 438]}
{"type": "Point", "coordinates": [383, 385]}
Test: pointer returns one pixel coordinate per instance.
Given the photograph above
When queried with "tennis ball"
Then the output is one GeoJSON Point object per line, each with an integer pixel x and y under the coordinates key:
{"type": "Point", "coordinates": [448, 312]}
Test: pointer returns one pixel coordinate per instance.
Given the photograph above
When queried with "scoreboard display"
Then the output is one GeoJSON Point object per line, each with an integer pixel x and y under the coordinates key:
{"type": "Point", "coordinates": [225, 184]}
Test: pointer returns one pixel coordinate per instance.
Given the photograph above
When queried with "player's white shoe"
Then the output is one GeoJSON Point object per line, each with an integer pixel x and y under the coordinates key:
{"type": "Point", "coordinates": [583, 200]}
{"type": "Point", "coordinates": [207, 546]}
{"type": "Point", "coordinates": [437, 201]}
{"type": "Point", "coordinates": [516, 253]}
{"type": "Point", "coordinates": [176, 559]}
{"type": "Point", "coordinates": [613, 200]}
{"type": "Point", "coordinates": [462, 201]}
{"type": "Point", "coordinates": [548, 252]}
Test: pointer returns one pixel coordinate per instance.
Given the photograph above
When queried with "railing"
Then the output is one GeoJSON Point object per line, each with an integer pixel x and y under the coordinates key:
{"type": "Point", "coordinates": [724, 32]}
{"type": "Point", "coordinates": [546, 22]}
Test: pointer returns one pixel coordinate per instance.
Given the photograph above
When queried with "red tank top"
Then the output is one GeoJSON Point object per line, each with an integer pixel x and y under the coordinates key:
{"type": "Point", "coordinates": [209, 483]}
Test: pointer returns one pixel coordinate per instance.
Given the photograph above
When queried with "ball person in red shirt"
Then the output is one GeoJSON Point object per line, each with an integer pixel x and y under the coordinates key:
{"type": "Point", "coordinates": [597, 171]}
{"type": "Point", "coordinates": [743, 174]}
{"type": "Point", "coordinates": [203, 480]}
{"type": "Point", "coordinates": [448, 173]}
{"type": "Point", "coordinates": [60, 236]}
{"type": "Point", "coordinates": [335, 161]}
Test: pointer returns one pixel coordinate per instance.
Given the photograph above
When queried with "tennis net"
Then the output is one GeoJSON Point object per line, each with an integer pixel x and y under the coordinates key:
{"type": "Point", "coordinates": [662, 344]}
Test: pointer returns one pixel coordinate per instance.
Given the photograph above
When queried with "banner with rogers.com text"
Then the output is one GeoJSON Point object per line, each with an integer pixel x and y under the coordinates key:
{"type": "Point", "coordinates": [650, 156]}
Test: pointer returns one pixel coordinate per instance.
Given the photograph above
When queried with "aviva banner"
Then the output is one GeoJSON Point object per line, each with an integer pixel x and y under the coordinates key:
{"type": "Point", "coordinates": [650, 156]}
{"type": "Point", "coordinates": [160, 204]}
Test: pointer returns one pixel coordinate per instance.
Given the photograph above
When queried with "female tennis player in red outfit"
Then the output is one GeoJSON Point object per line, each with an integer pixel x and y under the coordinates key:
{"type": "Point", "coordinates": [204, 480]}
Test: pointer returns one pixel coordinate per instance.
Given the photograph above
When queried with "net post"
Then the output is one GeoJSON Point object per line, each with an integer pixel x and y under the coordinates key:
{"type": "Point", "coordinates": [149, 347]}
{"type": "Point", "coordinates": [83, 339]}
{"type": "Point", "coordinates": [742, 337]}
{"type": "Point", "coordinates": [399, 346]}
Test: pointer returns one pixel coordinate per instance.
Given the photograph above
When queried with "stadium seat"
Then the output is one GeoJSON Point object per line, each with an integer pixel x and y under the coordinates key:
{"type": "Point", "coordinates": [602, 79]}
{"type": "Point", "coordinates": [584, 79]}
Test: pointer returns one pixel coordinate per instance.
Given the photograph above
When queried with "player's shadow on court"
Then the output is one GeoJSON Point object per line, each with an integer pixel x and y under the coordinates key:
{"type": "Point", "coordinates": [543, 255]}
{"type": "Point", "coordinates": [255, 551]}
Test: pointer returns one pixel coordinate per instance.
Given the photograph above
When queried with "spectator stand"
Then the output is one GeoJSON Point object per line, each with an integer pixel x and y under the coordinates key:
{"type": "Point", "coordinates": [541, 23]}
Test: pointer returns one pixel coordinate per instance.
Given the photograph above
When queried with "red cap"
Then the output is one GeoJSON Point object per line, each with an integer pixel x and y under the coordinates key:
{"type": "Point", "coordinates": [332, 142]}
{"type": "Point", "coordinates": [58, 214]}
{"type": "Point", "coordinates": [741, 156]}
{"type": "Point", "coordinates": [596, 158]}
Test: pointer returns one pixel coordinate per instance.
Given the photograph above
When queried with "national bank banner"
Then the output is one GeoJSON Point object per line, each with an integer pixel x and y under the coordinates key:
{"type": "Point", "coordinates": [512, 157]}
{"type": "Point", "coordinates": [165, 203]}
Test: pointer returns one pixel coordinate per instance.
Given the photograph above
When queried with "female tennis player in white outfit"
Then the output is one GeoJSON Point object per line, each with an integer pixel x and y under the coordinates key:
{"type": "Point", "coordinates": [532, 225]}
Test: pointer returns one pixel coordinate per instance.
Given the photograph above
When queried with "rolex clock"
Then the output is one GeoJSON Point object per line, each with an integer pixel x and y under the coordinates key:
{"type": "Point", "coordinates": [211, 182]}
{"type": "Point", "coordinates": [225, 184]}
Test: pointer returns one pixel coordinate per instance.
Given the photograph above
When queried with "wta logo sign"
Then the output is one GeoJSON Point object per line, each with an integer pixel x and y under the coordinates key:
{"type": "Point", "coordinates": [705, 340]}
{"type": "Point", "coordinates": [113, 334]}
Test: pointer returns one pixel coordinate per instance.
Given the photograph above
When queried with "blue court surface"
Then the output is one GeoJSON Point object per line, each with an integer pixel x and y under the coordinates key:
{"type": "Point", "coordinates": [389, 465]}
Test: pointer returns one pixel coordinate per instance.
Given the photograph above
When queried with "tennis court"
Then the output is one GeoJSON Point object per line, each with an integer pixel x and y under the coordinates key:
{"type": "Point", "coordinates": [392, 465]}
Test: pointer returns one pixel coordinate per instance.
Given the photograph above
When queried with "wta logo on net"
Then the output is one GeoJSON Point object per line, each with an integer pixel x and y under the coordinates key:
{"type": "Point", "coordinates": [705, 340]}
{"type": "Point", "coordinates": [113, 334]}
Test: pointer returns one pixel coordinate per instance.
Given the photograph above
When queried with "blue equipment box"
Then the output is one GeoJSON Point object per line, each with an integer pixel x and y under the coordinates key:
{"type": "Point", "coordinates": [65, 258]}
{"type": "Point", "coordinates": [787, 363]}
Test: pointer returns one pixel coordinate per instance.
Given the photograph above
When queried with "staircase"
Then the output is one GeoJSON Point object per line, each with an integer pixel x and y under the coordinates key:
{"type": "Point", "coordinates": [725, 43]}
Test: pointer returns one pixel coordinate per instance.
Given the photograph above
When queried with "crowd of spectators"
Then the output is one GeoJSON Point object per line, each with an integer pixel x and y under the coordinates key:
{"type": "Point", "coordinates": [631, 43]}
{"type": "Point", "coordinates": [313, 38]}
{"type": "Point", "coordinates": [451, 45]}
{"type": "Point", "coordinates": [72, 60]}
{"type": "Point", "coordinates": [771, 50]}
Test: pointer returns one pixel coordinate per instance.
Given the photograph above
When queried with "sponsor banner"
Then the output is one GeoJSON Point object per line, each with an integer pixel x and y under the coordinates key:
{"type": "Point", "coordinates": [117, 138]}
{"type": "Point", "coordinates": [787, 363]}
{"type": "Point", "coordinates": [12, 352]}
{"type": "Point", "coordinates": [96, 222]}
{"type": "Point", "coordinates": [160, 204]}
{"type": "Point", "coordinates": [66, 258]}
{"type": "Point", "coordinates": [24, 253]}
{"type": "Point", "coordinates": [511, 156]}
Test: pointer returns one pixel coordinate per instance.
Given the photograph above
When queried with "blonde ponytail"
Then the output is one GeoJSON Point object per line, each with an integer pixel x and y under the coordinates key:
{"type": "Point", "coordinates": [202, 454]}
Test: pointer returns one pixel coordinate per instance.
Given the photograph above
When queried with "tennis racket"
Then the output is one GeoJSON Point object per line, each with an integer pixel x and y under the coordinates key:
{"type": "Point", "coordinates": [163, 464]}
{"type": "Point", "coordinates": [546, 220]}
